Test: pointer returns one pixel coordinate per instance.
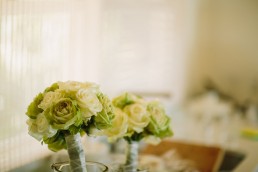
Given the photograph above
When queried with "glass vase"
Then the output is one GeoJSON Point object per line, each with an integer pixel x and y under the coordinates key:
{"type": "Point", "coordinates": [90, 166]}
{"type": "Point", "coordinates": [126, 168]}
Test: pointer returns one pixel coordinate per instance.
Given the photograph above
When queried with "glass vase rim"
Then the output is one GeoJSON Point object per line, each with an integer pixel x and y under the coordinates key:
{"type": "Point", "coordinates": [59, 165]}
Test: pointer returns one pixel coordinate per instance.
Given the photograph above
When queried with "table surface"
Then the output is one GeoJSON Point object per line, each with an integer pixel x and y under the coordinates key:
{"type": "Point", "coordinates": [193, 134]}
{"type": "Point", "coordinates": [250, 148]}
{"type": "Point", "coordinates": [250, 163]}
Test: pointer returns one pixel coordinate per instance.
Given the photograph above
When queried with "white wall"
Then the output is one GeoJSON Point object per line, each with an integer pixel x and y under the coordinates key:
{"type": "Point", "coordinates": [226, 48]}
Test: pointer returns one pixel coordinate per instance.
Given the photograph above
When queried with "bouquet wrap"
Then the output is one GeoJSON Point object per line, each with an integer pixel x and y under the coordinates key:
{"type": "Point", "coordinates": [131, 163]}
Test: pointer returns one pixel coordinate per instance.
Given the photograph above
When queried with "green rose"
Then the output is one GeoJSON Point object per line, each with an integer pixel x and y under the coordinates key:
{"type": "Point", "coordinates": [64, 113]}
{"type": "Point", "coordinates": [33, 109]}
{"type": "Point", "coordinates": [159, 122]}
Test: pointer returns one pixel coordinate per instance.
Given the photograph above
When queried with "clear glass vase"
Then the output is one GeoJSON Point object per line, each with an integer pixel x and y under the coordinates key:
{"type": "Point", "coordinates": [125, 168]}
{"type": "Point", "coordinates": [90, 166]}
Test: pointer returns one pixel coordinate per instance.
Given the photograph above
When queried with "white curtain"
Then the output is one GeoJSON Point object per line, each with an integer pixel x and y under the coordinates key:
{"type": "Point", "coordinates": [41, 41]}
{"type": "Point", "coordinates": [125, 45]}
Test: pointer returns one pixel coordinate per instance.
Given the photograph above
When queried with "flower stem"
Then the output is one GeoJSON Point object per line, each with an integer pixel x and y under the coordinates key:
{"type": "Point", "coordinates": [76, 153]}
{"type": "Point", "coordinates": [131, 163]}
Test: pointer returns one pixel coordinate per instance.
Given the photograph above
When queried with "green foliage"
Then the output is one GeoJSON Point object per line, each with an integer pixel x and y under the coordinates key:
{"type": "Point", "coordinates": [53, 87]}
{"type": "Point", "coordinates": [159, 131]}
{"type": "Point", "coordinates": [104, 118]}
{"type": "Point", "coordinates": [56, 143]}
{"type": "Point", "coordinates": [123, 100]}
{"type": "Point", "coordinates": [135, 137]}
{"type": "Point", "coordinates": [74, 129]}
{"type": "Point", "coordinates": [159, 122]}
{"type": "Point", "coordinates": [33, 109]}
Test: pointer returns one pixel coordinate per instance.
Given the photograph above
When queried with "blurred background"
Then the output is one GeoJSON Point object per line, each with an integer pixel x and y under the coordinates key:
{"type": "Point", "coordinates": [199, 57]}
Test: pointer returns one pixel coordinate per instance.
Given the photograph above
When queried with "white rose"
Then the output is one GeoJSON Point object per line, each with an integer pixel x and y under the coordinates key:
{"type": "Point", "coordinates": [40, 127]}
{"type": "Point", "coordinates": [70, 86]}
{"type": "Point", "coordinates": [49, 98]}
{"type": "Point", "coordinates": [86, 114]}
{"type": "Point", "coordinates": [74, 86]}
{"type": "Point", "coordinates": [42, 123]}
{"type": "Point", "coordinates": [138, 117]}
{"type": "Point", "coordinates": [88, 100]}
{"type": "Point", "coordinates": [33, 129]}
{"type": "Point", "coordinates": [119, 125]}
{"type": "Point", "coordinates": [92, 86]}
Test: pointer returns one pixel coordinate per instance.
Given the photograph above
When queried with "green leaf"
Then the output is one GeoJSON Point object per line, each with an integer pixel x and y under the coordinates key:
{"type": "Point", "coordinates": [90, 123]}
{"type": "Point", "coordinates": [160, 131]}
{"type": "Point", "coordinates": [53, 87]}
{"type": "Point", "coordinates": [123, 100]}
{"type": "Point", "coordinates": [33, 110]}
{"type": "Point", "coordinates": [166, 133]}
{"type": "Point", "coordinates": [103, 120]}
{"type": "Point", "coordinates": [56, 143]}
{"type": "Point", "coordinates": [135, 137]}
{"type": "Point", "coordinates": [74, 129]}
{"type": "Point", "coordinates": [159, 122]}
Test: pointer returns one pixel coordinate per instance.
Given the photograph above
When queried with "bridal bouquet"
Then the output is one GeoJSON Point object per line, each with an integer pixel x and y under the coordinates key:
{"type": "Point", "coordinates": [65, 111]}
{"type": "Point", "coordinates": [137, 119]}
